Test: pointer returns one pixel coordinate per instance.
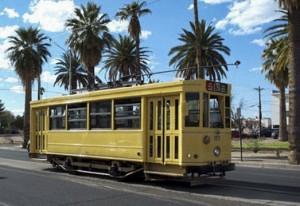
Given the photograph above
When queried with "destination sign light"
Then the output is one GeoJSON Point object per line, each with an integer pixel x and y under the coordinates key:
{"type": "Point", "coordinates": [216, 87]}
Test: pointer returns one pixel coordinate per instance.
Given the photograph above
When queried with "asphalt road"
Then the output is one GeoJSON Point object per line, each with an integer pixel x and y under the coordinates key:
{"type": "Point", "coordinates": [26, 182]}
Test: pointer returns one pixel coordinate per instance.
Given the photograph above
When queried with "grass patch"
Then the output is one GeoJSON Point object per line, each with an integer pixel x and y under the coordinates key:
{"type": "Point", "coordinates": [261, 144]}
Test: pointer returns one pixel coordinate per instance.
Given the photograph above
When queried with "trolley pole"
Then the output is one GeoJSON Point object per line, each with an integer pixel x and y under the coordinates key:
{"type": "Point", "coordinates": [259, 89]}
{"type": "Point", "coordinates": [240, 131]}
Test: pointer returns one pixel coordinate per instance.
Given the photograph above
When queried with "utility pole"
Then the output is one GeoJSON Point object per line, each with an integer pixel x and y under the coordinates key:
{"type": "Point", "coordinates": [259, 89]}
{"type": "Point", "coordinates": [239, 113]}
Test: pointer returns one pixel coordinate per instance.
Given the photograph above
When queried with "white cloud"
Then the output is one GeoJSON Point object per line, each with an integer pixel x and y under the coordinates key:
{"type": "Point", "coordinates": [191, 7]}
{"type": "Point", "coordinates": [255, 69]}
{"type": "Point", "coordinates": [48, 77]}
{"type": "Point", "coordinates": [4, 62]}
{"type": "Point", "coordinates": [248, 16]}
{"type": "Point", "coordinates": [145, 34]}
{"type": "Point", "coordinates": [10, 13]}
{"type": "Point", "coordinates": [118, 26]}
{"type": "Point", "coordinates": [259, 42]}
{"type": "Point", "coordinates": [49, 14]}
{"type": "Point", "coordinates": [17, 89]}
{"type": "Point", "coordinates": [6, 31]}
{"type": "Point", "coordinates": [216, 1]}
{"type": "Point", "coordinates": [11, 80]}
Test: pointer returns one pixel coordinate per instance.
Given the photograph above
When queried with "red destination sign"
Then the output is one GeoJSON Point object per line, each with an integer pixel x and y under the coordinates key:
{"type": "Point", "coordinates": [216, 87]}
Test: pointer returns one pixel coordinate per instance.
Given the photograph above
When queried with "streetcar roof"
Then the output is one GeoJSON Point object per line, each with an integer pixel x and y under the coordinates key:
{"type": "Point", "coordinates": [130, 91]}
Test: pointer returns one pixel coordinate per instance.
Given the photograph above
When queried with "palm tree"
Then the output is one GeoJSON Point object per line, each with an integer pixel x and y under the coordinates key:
{"type": "Point", "coordinates": [134, 11]}
{"type": "Point", "coordinates": [2, 108]}
{"type": "Point", "coordinates": [79, 74]}
{"type": "Point", "coordinates": [275, 68]}
{"type": "Point", "coordinates": [211, 50]}
{"type": "Point", "coordinates": [120, 60]}
{"type": "Point", "coordinates": [27, 53]}
{"type": "Point", "coordinates": [89, 36]}
{"type": "Point", "coordinates": [293, 8]}
{"type": "Point", "coordinates": [200, 71]}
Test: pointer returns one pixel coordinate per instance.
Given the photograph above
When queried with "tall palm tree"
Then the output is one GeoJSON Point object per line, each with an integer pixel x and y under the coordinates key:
{"type": "Point", "coordinates": [211, 50]}
{"type": "Point", "coordinates": [89, 36]}
{"type": "Point", "coordinates": [120, 60]}
{"type": "Point", "coordinates": [275, 68]}
{"type": "Point", "coordinates": [27, 53]}
{"type": "Point", "coordinates": [293, 8]}
{"type": "Point", "coordinates": [79, 74]}
{"type": "Point", "coordinates": [200, 71]}
{"type": "Point", "coordinates": [134, 11]}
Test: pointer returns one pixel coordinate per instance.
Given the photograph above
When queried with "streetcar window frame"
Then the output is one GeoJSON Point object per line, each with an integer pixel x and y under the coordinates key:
{"type": "Point", "coordinates": [58, 118]}
{"type": "Point", "coordinates": [192, 109]}
{"type": "Point", "coordinates": [127, 119]}
{"type": "Point", "coordinates": [102, 110]}
{"type": "Point", "coordinates": [79, 119]}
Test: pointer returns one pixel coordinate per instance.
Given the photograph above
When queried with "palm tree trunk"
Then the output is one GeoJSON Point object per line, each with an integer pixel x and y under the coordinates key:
{"type": "Point", "coordinates": [39, 85]}
{"type": "Point", "coordinates": [91, 77]}
{"type": "Point", "coordinates": [137, 53]}
{"type": "Point", "coordinates": [294, 86]}
{"type": "Point", "coordinates": [73, 82]}
{"type": "Point", "coordinates": [283, 136]}
{"type": "Point", "coordinates": [200, 71]}
{"type": "Point", "coordinates": [26, 124]}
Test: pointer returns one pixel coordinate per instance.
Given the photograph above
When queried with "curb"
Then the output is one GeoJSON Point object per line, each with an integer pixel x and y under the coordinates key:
{"type": "Point", "coordinates": [267, 165]}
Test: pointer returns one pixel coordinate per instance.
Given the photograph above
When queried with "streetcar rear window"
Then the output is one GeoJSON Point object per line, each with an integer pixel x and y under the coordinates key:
{"type": "Point", "coordinates": [192, 117]}
{"type": "Point", "coordinates": [128, 114]}
{"type": "Point", "coordinates": [77, 116]}
{"type": "Point", "coordinates": [100, 115]}
{"type": "Point", "coordinates": [57, 117]}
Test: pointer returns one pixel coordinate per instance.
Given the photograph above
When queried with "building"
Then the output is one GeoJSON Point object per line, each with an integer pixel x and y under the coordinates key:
{"type": "Point", "coordinates": [275, 108]}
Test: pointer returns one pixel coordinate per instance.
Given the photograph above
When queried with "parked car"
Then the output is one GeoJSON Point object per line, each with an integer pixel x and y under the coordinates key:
{"type": "Point", "coordinates": [266, 132]}
{"type": "Point", "coordinates": [235, 134]}
{"type": "Point", "coordinates": [275, 133]}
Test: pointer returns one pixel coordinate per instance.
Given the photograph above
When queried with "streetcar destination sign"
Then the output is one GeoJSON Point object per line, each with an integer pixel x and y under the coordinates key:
{"type": "Point", "coordinates": [216, 87]}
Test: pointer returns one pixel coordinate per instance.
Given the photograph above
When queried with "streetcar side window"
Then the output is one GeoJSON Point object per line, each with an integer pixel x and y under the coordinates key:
{"type": "Point", "coordinates": [100, 115]}
{"type": "Point", "coordinates": [227, 112]}
{"type": "Point", "coordinates": [192, 115]}
{"type": "Point", "coordinates": [205, 110]}
{"type": "Point", "coordinates": [216, 120]}
{"type": "Point", "coordinates": [128, 114]}
{"type": "Point", "coordinates": [77, 116]}
{"type": "Point", "coordinates": [57, 117]}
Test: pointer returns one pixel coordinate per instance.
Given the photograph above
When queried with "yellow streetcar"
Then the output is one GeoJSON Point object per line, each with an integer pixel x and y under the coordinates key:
{"type": "Point", "coordinates": [163, 130]}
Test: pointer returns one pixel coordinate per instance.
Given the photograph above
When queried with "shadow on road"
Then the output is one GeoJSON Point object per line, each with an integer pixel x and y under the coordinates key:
{"type": "Point", "coordinates": [225, 188]}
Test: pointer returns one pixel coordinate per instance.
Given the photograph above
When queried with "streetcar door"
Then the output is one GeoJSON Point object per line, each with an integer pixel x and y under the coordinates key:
{"type": "Point", "coordinates": [163, 129]}
{"type": "Point", "coordinates": [40, 130]}
{"type": "Point", "coordinates": [155, 130]}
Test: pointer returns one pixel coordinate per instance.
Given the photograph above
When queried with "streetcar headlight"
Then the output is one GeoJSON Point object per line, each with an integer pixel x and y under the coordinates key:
{"type": "Point", "coordinates": [217, 151]}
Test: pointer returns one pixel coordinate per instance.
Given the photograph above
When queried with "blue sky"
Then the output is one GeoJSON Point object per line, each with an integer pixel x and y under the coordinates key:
{"type": "Point", "coordinates": [240, 23]}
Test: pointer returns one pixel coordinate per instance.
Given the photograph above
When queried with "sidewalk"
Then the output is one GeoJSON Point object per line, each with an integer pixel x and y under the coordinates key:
{"type": "Point", "coordinates": [263, 159]}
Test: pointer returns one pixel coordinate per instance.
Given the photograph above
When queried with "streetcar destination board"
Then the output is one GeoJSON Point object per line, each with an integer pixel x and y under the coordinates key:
{"type": "Point", "coordinates": [216, 87]}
